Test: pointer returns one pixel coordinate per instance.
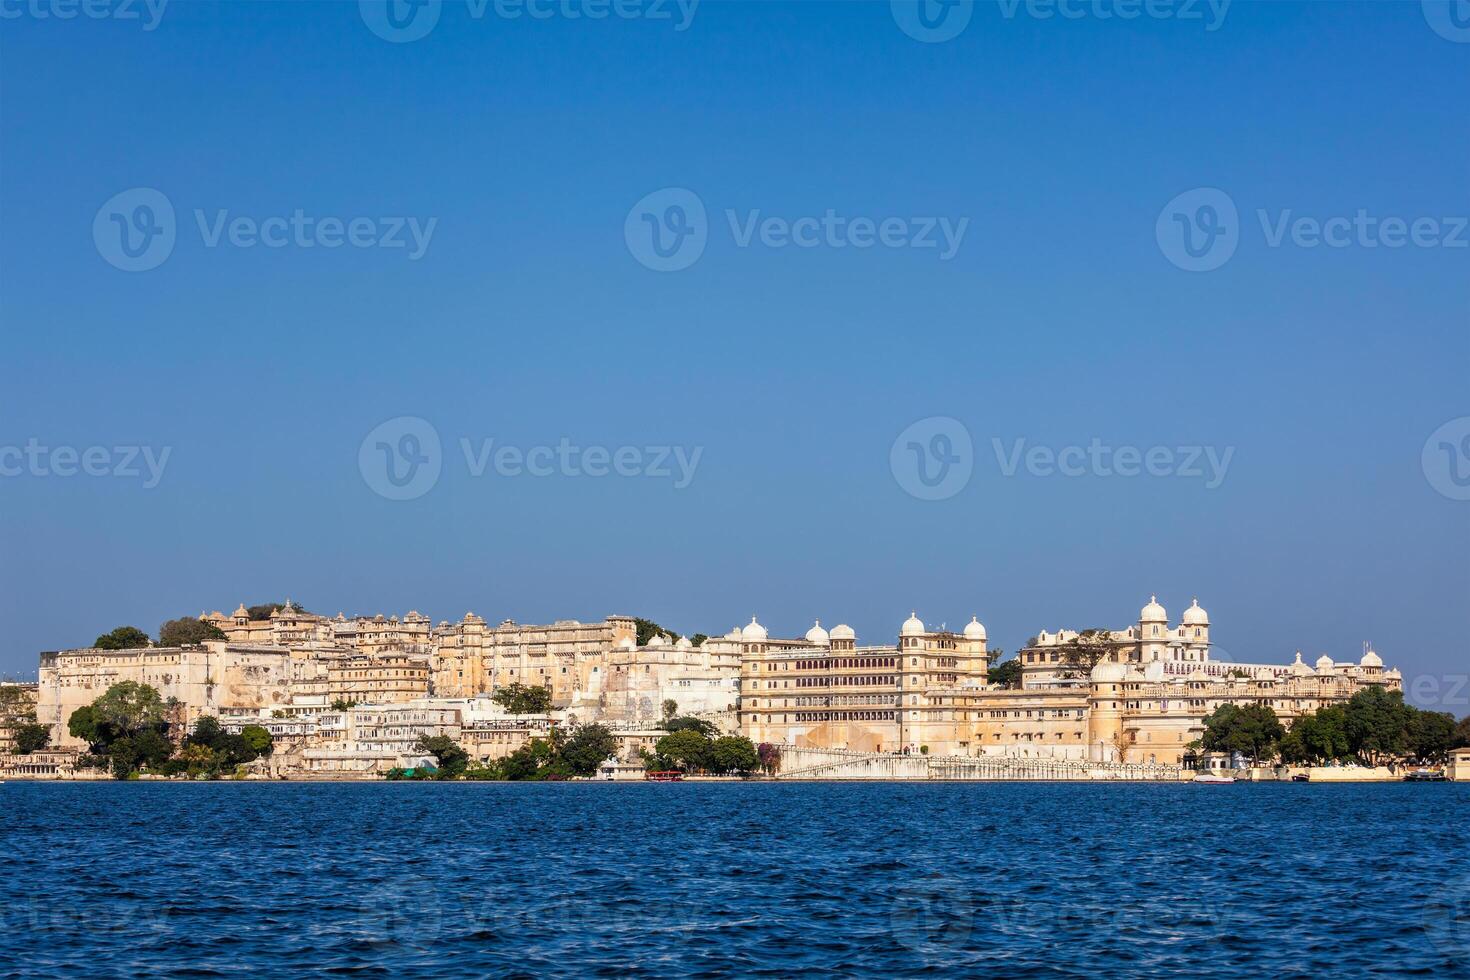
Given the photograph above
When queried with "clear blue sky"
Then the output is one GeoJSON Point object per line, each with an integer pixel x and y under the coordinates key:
{"type": "Point", "coordinates": [528, 320]}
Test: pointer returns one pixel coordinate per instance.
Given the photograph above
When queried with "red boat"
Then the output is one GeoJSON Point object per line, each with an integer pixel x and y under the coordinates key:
{"type": "Point", "coordinates": [664, 776]}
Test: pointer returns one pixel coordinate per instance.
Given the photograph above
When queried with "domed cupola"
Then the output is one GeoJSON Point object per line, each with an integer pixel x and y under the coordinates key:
{"type": "Point", "coordinates": [1153, 612]}
{"type": "Point", "coordinates": [974, 629]}
{"type": "Point", "coordinates": [754, 633]}
{"type": "Point", "coordinates": [1371, 660]}
{"type": "Point", "coordinates": [818, 635]}
{"type": "Point", "coordinates": [913, 626]}
{"type": "Point", "coordinates": [1195, 616]}
{"type": "Point", "coordinates": [843, 632]}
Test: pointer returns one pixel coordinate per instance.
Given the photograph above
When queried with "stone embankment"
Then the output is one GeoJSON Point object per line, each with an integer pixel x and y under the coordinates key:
{"type": "Point", "coordinates": [839, 764]}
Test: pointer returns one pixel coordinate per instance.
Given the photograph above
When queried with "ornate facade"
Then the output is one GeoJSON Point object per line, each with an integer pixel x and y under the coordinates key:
{"type": "Point", "coordinates": [1143, 703]}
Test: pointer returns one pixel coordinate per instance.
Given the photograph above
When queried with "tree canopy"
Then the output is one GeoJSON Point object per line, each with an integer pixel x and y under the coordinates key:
{"type": "Point", "coordinates": [450, 758]}
{"type": "Point", "coordinates": [648, 629]}
{"type": "Point", "coordinates": [128, 708]}
{"type": "Point", "coordinates": [31, 737]}
{"type": "Point", "coordinates": [1378, 723]}
{"type": "Point", "coordinates": [519, 699]}
{"type": "Point", "coordinates": [1007, 674]}
{"type": "Point", "coordinates": [263, 611]}
{"type": "Point", "coordinates": [122, 638]}
{"type": "Point", "coordinates": [587, 748]}
{"type": "Point", "coordinates": [1083, 652]}
{"type": "Point", "coordinates": [1316, 738]}
{"type": "Point", "coordinates": [1253, 730]}
{"type": "Point", "coordinates": [186, 631]}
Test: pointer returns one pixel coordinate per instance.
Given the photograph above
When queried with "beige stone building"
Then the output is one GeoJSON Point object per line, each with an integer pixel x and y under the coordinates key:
{"type": "Point", "coordinates": [17, 707]}
{"type": "Point", "coordinates": [1143, 704]}
{"type": "Point", "coordinates": [199, 680]}
{"type": "Point", "coordinates": [628, 685]}
{"type": "Point", "coordinates": [826, 690]}
{"type": "Point", "coordinates": [473, 658]}
{"type": "Point", "coordinates": [361, 678]}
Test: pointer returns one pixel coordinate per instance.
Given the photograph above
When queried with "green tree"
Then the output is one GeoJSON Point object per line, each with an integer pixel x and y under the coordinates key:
{"type": "Point", "coordinates": [1462, 733]}
{"type": "Point", "coordinates": [648, 629]}
{"type": "Point", "coordinates": [260, 740]}
{"type": "Point", "coordinates": [1431, 735]}
{"type": "Point", "coordinates": [342, 704]}
{"type": "Point", "coordinates": [698, 638]}
{"type": "Point", "coordinates": [1085, 651]}
{"type": "Point", "coordinates": [207, 732]}
{"type": "Point", "coordinates": [187, 632]}
{"type": "Point", "coordinates": [1007, 674]}
{"type": "Point", "coordinates": [687, 724]}
{"type": "Point", "coordinates": [83, 724]}
{"type": "Point", "coordinates": [519, 699]}
{"type": "Point", "coordinates": [450, 758]}
{"type": "Point", "coordinates": [31, 738]}
{"type": "Point", "coordinates": [1317, 737]}
{"type": "Point", "coordinates": [671, 709]}
{"type": "Point", "coordinates": [733, 753]}
{"type": "Point", "coordinates": [1378, 723]}
{"type": "Point", "coordinates": [587, 748]}
{"type": "Point", "coordinates": [1252, 730]}
{"type": "Point", "coordinates": [128, 708]}
{"type": "Point", "coordinates": [687, 749]}
{"type": "Point", "coordinates": [122, 638]}
{"type": "Point", "coordinates": [263, 610]}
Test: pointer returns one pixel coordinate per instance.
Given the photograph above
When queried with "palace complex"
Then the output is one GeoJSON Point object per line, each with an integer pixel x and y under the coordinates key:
{"type": "Point", "coordinates": [344, 696]}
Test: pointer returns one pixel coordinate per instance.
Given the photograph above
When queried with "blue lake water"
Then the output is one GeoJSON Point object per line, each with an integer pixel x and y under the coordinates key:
{"type": "Point", "coordinates": [996, 879]}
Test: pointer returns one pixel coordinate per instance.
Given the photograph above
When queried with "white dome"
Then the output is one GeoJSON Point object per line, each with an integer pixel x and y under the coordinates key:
{"type": "Point", "coordinates": [1371, 659]}
{"type": "Point", "coordinates": [842, 632]}
{"type": "Point", "coordinates": [1108, 672]}
{"type": "Point", "coordinates": [817, 635]}
{"type": "Point", "coordinates": [1153, 612]}
{"type": "Point", "coordinates": [1298, 668]}
{"type": "Point", "coordinates": [626, 643]}
{"type": "Point", "coordinates": [753, 633]}
{"type": "Point", "coordinates": [974, 629]}
{"type": "Point", "coordinates": [1324, 664]}
{"type": "Point", "coordinates": [913, 626]}
{"type": "Point", "coordinates": [658, 640]}
{"type": "Point", "coordinates": [683, 643]}
{"type": "Point", "coordinates": [1195, 616]}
